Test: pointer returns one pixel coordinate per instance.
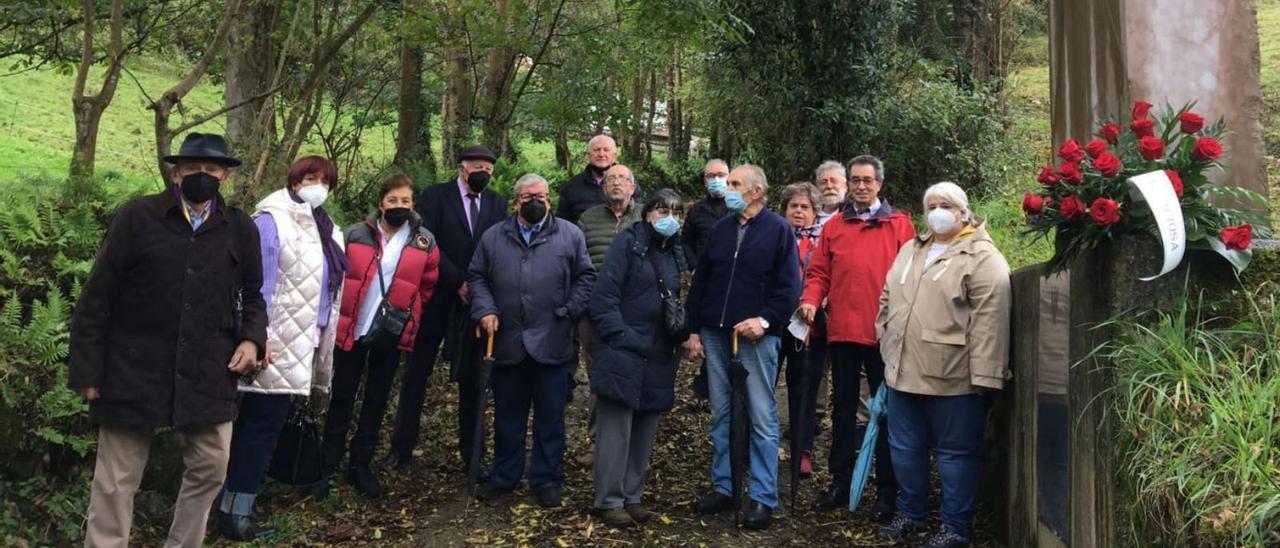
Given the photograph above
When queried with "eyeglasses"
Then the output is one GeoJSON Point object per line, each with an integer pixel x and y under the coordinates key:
{"type": "Point", "coordinates": [618, 179]}
{"type": "Point", "coordinates": [862, 181]}
{"type": "Point", "coordinates": [528, 197]}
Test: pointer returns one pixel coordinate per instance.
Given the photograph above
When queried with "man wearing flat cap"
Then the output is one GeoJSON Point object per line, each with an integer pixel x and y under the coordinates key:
{"type": "Point", "coordinates": [169, 319]}
{"type": "Point", "coordinates": [457, 212]}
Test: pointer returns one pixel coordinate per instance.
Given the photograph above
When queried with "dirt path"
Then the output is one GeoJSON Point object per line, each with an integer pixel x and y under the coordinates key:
{"type": "Point", "coordinates": [424, 506]}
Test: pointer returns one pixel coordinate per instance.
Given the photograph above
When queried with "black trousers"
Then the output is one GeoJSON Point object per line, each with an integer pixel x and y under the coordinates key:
{"type": "Point", "coordinates": [848, 360]}
{"type": "Point", "coordinates": [417, 374]}
{"type": "Point", "coordinates": [377, 366]}
{"type": "Point", "coordinates": [792, 354]}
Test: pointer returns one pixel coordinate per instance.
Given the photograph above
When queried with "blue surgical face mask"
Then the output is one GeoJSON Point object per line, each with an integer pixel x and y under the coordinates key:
{"type": "Point", "coordinates": [716, 186]}
{"type": "Point", "coordinates": [734, 201]}
{"type": "Point", "coordinates": [666, 226]}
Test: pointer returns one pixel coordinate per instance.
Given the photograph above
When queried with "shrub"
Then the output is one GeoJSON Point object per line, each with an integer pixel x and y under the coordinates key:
{"type": "Point", "coordinates": [1199, 429]}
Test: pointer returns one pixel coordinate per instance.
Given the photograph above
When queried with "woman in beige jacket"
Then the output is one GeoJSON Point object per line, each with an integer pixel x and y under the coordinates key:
{"type": "Point", "coordinates": [944, 335]}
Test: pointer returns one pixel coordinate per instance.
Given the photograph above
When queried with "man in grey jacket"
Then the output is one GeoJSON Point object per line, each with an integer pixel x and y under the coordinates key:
{"type": "Point", "coordinates": [530, 281]}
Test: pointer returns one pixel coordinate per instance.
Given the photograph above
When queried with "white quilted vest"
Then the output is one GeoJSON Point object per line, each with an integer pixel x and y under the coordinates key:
{"type": "Point", "coordinates": [303, 355]}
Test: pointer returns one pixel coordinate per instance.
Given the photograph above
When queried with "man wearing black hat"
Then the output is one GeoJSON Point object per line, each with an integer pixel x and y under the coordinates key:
{"type": "Point", "coordinates": [170, 317]}
{"type": "Point", "coordinates": [457, 212]}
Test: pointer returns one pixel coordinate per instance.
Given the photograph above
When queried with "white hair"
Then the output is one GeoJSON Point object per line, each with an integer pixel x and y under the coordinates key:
{"type": "Point", "coordinates": [755, 176]}
{"type": "Point", "coordinates": [949, 192]}
{"type": "Point", "coordinates": [592, 143]}
{"type": "Point", "coordinates": [830, 165]}
{"type": "Point", "coordinates": [715, 162]}
{"type": "Point", "coordinates": [528, 179]}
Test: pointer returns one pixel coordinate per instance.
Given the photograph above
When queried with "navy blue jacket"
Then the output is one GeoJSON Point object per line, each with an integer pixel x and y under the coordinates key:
{"type": "Point", "coordinates": [758, 278]}
{"type": "Point", "coordinates": [538, 290]}
{"type": "Point", "coordinates": [635, 360]}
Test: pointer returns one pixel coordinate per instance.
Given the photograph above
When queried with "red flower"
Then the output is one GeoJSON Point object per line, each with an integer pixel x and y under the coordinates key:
{"type": "Point", "coordinates": [1143, 128]}
{"type": "Point", "coordinates": [1095, 147]}
{"type": "Point", "coordinates": [1110, 131]}
{"type": "Point", "coordinates": [1105, 211]}
{"type": "Point", "coordinates": [1237, 237]}
{"type": "Point", "coordinates": [1140, 109]}
{"type": "Point", "coordinates": [1207, 148]}
{"type": "Point", "coordinates": [1033, 204]}
{"type": "Point", "coordinates": [1070, 151]}
{"type": "Point", "coordinates": [1107, 164]}
{"type": "Point", "coordinates": [1048, 177]}
{"type": "Point", "coordinates": [1175, 180]}
{"type": "Point", "coordinates": [1152, 148]}
{"type": "Point", "coordinates": [1070, 173]}
{"type": "Point", "coordinates": [1072, 206]}
{"type": "Point", "coordinates": [1191, 122]}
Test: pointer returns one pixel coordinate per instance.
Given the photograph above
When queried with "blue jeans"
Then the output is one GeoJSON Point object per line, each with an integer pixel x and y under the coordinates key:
{"type": "Point", "coordinates": [761, 361]}
{"type": "Point", "coordinates": [515, 388]}
{"type": "Point", "coordinates": [253, 439]}
{"type": "Point", "coordinates": [952, 427]}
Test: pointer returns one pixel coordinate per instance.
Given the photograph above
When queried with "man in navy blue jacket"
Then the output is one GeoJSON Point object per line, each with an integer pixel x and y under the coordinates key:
{"type": "Point", "coordinates": [746, 282]}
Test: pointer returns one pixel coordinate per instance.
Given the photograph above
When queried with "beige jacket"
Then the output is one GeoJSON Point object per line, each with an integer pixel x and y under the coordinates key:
{"type": "Point", "coordinates": [944, 328]}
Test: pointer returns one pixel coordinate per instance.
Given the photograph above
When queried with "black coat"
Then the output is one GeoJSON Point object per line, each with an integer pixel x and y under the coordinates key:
{"type": "Point", "coordinates": [578, 194]}
{"type": "Point", "coordinates": [697, 226]}
{"type": "Point", "coordinates": [635, 360]}
{"type": "Point", "coordinates": [153, 329]}
{"type": "Point", "coordinates": [440, 206]}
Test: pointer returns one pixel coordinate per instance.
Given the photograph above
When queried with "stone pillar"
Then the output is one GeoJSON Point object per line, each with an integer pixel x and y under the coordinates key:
{"type": "Point", "coordinates": [1106, 53]}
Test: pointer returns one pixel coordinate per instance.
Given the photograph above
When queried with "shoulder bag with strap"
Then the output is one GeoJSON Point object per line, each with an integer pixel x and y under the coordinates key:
{"type": "Point", "coordinates": [389, 322]}
{"type": "Point", "coordinates": [672, 308]}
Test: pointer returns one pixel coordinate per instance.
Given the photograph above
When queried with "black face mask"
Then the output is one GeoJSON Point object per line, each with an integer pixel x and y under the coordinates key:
{"type": "Point", "coordinates": [533, 211]}
{"type": "Point", "coordinates": [199, 187]}
{"type": "Point", "coordinates": [477, 181]}
{"type": "Point", "coordinates": [396, 216]}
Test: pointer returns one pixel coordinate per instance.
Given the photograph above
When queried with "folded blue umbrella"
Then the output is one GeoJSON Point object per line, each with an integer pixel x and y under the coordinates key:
{"type": "Point", "coordinates": [878, 411]}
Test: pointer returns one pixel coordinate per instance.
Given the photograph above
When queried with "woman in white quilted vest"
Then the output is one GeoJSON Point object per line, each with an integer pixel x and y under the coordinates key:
{"type": "Point", "coordinates": [303, 268]}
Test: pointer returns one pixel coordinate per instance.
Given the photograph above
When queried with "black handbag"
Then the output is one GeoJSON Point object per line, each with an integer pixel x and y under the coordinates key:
{"type": "Point", "coordinates": [297, 459]}
{"type": "Point", "coordinates": [389, 322]}
{"type": "Point", "coordinates": [672, 308]}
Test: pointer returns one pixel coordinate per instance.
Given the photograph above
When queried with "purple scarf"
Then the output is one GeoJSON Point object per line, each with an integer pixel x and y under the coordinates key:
{"type": "Point", "coordinates": [334, 257]}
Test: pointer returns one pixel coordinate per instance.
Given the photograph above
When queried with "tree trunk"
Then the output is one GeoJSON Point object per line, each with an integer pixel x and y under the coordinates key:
{"type": "Point", "coordinates": [455, 102]}
{"type": "Point", "coordinates": [632, 147]}
{"type": "Point", "coordinates": [250, 69]}
{"type": "Point", "coordinates": [87, 109]}
{"type": "Point", "coordinates": [413, 140]}
{"type": "Point", "coordinates": [88, 117]}
{"type": "Point", "coordinates": [674, 120]}
{"type": "Point", "coordinates": [653, 112]}
{"type": "Point", "coordinates": [563, 158]}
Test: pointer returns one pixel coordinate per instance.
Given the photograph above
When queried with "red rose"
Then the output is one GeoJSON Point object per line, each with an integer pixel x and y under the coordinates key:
{"type": "Point", "coordinates": [1105, 211]}
{"type": "Point", "coordinates": [1070, 151]}
{"type": "Point", "coordinates": [1070, 173]}
{"type": "Point", "coordinates": [1110, 131]}
{"type": "Point", "coordinates": [1140, 109]}
{"type": "Point", "coordinates": [1095, 147]}
{"type": "Point", "coordinates": [1072, 207]}
{"type": "Point", "coordinates": [1175, 180]}
{"type": "Point", "coordinates": [1107, 164]}
{"type": "Point", "coordinates": [1207, 148]}
{"type": "Point", "coordinates": [1191, 122]}
{"type": "Point", "coordinates": [1048, 177]}
{"type": "Point", "coordinates": [1237, 237]}
{"type": "Point", "coordinates": [1152, 148]}
{"type": "Point", "coordinates": [1143, 128]}
{"type": "Point", "coordinates": [1033, 204]}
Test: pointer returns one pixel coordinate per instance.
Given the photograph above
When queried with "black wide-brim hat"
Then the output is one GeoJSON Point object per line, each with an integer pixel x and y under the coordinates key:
{"type": "Point", "coordinates": [203, 147]}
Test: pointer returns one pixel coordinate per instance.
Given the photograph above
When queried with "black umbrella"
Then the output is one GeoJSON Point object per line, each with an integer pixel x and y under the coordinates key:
{"type": "Point", "coordinates": [739, 426]}
{"type": "Point", "coordinates": [798, 426]}
{"type": "Point", "coordinates": [483, 371]}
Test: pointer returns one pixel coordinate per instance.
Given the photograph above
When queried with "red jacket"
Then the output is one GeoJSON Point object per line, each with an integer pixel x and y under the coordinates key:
{"type": "Point", "coordinates": [411, 286]}
{"type": "Point", "coordinates": [849, 267]}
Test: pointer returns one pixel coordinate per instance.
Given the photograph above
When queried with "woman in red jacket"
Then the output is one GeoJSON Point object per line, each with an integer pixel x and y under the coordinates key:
{"type": "Point", "coordinates": [394, 267]}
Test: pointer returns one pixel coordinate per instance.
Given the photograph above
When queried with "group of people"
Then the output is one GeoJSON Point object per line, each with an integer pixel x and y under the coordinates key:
{"type": "Point", "coordinates": [201, 317]}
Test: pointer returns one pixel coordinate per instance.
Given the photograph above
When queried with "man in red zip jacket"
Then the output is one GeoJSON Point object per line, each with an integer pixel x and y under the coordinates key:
{"type": "Point", "coordinates": [848, 271]}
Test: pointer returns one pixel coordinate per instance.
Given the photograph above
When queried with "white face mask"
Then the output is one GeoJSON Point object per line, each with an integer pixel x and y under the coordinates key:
{"type": "Point", "coordinates": [314, 195]}
{"type": "Point", "coordinates": [941, 221]}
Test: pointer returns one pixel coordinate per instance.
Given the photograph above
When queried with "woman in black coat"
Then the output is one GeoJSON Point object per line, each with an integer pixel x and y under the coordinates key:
{"type": "Point", "coordinates": [634, 371]}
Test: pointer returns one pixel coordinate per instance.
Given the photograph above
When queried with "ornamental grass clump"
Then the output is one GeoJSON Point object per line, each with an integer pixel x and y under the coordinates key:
{"type": "Point", "coordinates": [1198, 415]}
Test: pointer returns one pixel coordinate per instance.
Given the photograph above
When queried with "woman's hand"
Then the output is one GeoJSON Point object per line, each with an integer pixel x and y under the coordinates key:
{"type": "Point", "coordinates": [808, 312]}
{"type": "Point", "coordinates": [693, 348]}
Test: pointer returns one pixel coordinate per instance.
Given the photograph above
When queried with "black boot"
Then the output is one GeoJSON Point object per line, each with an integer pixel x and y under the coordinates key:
{"type": "Point", "coordinates": [241, 528]}
{"type": "Point", "coordinates": [364, 481]}
{"type": "Point", "coordinates": [757, 516]}
{"type": "Point", "coordinates": [833, 498]}
{"type": "Point", "coordinates": [714, 503]}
